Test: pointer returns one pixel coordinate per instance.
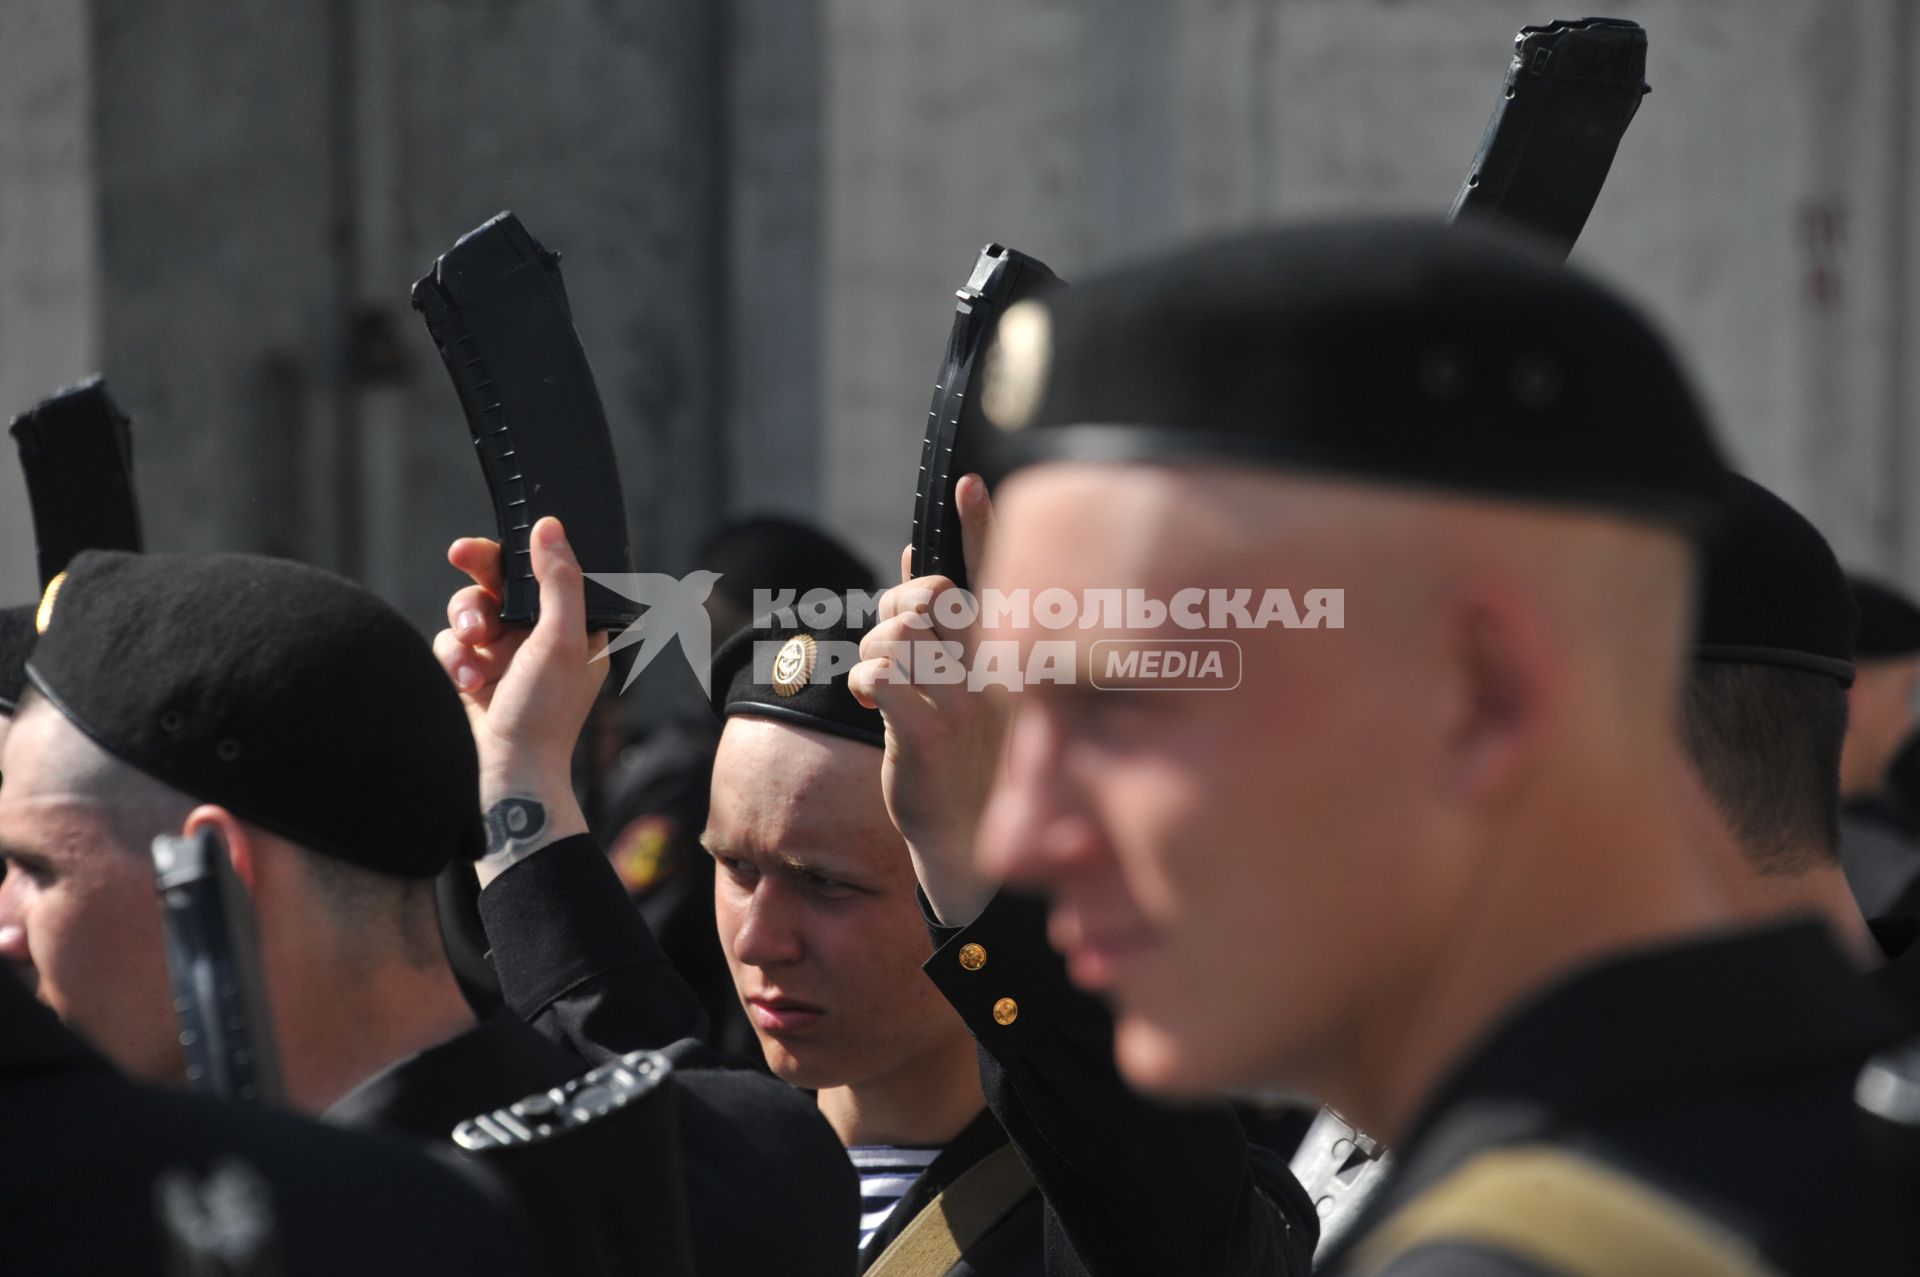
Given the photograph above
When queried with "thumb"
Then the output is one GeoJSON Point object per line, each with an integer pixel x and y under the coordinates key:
{"type": "Point", "coordinates": [563, 590]}
{"type": "Point", "coordinates": [976, 520]}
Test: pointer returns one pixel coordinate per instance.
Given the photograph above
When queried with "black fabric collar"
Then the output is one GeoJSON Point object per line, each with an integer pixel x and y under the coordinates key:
{"type": "Point", "coordinates": [1649, 1030]}
{"type": "Point", "coordinates": [427, 1094]}
{"type": "Point", "coordinates": [32, 1039]}
{"type": "Point", "coordinates": [1745, 1003]}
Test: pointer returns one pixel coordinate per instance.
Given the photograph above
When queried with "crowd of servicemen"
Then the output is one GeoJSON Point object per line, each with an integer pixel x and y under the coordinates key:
{"type": "Point", "coordinates": [1529, 879]}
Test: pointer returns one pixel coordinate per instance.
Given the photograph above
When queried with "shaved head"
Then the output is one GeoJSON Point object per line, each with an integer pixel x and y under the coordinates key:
{"type": "Point", "coordinates": [135, 805]}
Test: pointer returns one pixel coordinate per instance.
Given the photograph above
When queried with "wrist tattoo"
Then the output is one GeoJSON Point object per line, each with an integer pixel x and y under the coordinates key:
{"type": "Point", "coordinates": [514, 828]}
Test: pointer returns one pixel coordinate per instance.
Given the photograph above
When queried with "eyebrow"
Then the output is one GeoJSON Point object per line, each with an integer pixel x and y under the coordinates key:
{"type": "Point", "coordinates": [24, 855]}
{"type": "Point", "coordinates": [786, 860]}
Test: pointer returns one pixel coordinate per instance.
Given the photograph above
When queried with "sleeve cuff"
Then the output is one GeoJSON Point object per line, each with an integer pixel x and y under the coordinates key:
{"type": "Point", "coordinates": [998, 972]}
{"type": "Point", "coordinates": [559, 917]}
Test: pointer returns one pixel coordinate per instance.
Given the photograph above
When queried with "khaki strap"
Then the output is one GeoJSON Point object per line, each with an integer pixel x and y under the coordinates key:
{"type": "Point", "coordinates": [1564, 1213]}
{"type": "Point", "coordinates": [958, 1216]}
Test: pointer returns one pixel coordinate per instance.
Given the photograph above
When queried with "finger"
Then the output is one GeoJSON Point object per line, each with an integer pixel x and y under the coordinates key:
{"type": "Point", "coordinates": [479, 558]}
{"type": "Point", "coordinates": [906, 564]}
{"type": "Point", "coordinates": [563, 590]}
{"type": "Point", "coordinates": [884, 682]}
{"type": "Point", "coordinates": [873, 681]}
{"type": "Point", "coordinates": [884, 636]}
{"type": "Point", "coordinates": [474, 616]}
{"type": "Point", "coordinates": [860, 681]}
{"type": "Point", "coordinates": [475, 668]}
{"type": "Point", "coordinates": [976, 521]}
{"type": "Point", "coordinates": [912, 597]}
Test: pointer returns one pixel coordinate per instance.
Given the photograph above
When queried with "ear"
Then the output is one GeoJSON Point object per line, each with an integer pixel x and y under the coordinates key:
{"type": "Point", "coordinates": [1508, 673]}
{"type": "Point", "coordinates": [243, 851]}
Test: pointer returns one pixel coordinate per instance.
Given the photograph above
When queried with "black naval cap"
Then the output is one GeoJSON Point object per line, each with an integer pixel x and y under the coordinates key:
{"type": "Point", "coordinates": [1394, 350]}
{"type": "Point", "coordinates": [16, 640]}
{"type": "Point", "coordinates": [1774, 592]}
{"type": "Point", "coordinates": [1889, 621]}
{"type": "Point", "coordinates": [795, 674]}
{"type": "Point", "coordinates": [291, 696]}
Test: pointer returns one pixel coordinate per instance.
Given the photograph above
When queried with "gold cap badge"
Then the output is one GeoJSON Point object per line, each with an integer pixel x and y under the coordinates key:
{"type": "Point", "coordinates": [1017, 366]}
{"type": "Point", "coordinates": [44, 616]}
{"type": "Point", "coordinates": [793, 667]}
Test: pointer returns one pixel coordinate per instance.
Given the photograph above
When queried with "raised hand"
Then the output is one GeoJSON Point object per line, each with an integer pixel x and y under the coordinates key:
{"type": "Point", "coordinates": [527, 692]}
{"type": "Point", "coordinates": [944, 739]}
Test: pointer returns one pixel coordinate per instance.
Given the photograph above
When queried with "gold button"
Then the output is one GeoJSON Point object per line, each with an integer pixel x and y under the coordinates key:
{"type": "Point", "coordinates": [973, 956]}
{"type": "Point", "coordinates": [1006, 1011]}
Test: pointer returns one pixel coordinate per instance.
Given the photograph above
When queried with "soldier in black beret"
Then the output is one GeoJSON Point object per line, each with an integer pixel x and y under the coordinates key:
{"type": "Point", "coordinates": [816, 902]}
{"type": "Point", "coordinates": [302, 719]}
{"type": "Point", "coordinates": [1425, 864]}
{"type": "Point", "coordinates": [309, 724]}
{"type": "Point", "coordinates": [575, 960]}
{"type": "Point", "coordinates": [1877, 841]}
{"type": "Point", "coordinates": [651, 804]}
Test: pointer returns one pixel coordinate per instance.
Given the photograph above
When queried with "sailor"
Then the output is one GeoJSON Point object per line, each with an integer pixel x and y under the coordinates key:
{"type": "Point", "coordinates": [1424, 865]}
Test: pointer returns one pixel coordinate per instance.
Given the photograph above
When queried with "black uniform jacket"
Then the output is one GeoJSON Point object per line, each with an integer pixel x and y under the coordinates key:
{"type": "Point", "coordinates": [769, 1188]}
{"type": "Point", "coordinates": [1129, 1186]}
{"type": "Point", "coordinates": [84, 1146]}
{"type": "Point", "coordinates": [1719, 1072]}
{"type": "Point", "coordinates": [1141, 1190]}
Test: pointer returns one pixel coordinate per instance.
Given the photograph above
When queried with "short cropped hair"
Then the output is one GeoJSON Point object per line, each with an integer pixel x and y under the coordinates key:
{"type": "Point", "coordinates": [390, 917]}
{"type": "Point", "coordinates": [1766, 741]}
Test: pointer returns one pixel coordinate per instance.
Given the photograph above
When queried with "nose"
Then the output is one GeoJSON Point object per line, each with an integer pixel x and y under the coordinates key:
{"type": "Point", "coordinates": [770, 931]}
{"type": "Point", "coordinates": [1035, 830]}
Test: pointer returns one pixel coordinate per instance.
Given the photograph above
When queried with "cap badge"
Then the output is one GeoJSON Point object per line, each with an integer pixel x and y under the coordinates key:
{"type": "Point", "coordinates": [793, 667]}
{"type": "Point", "coordinates": [1017, 366]}
{"type": "Point", "coordinates": [44, 617]}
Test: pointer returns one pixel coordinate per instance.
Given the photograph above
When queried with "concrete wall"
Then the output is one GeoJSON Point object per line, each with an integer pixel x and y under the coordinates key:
{"type": "Point", "coordinates": [224, 205]}
{"type": "Point", "coordinates": [765, 206]}
{"type": "Point", "coordinates": [600, 125]}
{"type": "Point", "coordinates": [49, 269]}
{"type": "Point", "coordinates": [1760, 206]}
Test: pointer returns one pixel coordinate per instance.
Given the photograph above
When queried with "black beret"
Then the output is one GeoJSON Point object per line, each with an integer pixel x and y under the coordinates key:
{"type": "Point", "coordinates": [16, 640]}
{"type": "Point", "coordinates": [1774, 592]}
{"type": "Point", "coordinates": [1396, 350]}
{"type": "Point", "coordinates": [796, 674]}
{"type": "Point", "coordinates": [291, 696]}
{"type": "Point", "coordinates": [1889, 622]}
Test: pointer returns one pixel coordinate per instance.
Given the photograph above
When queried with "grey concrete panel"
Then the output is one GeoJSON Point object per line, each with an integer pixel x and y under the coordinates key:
{"type": "Point", "coordinates": [49, 265]}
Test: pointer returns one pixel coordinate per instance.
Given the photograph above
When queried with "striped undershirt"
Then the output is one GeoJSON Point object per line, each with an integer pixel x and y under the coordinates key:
{"type": "Point", "coordinates": [886, 1171]}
